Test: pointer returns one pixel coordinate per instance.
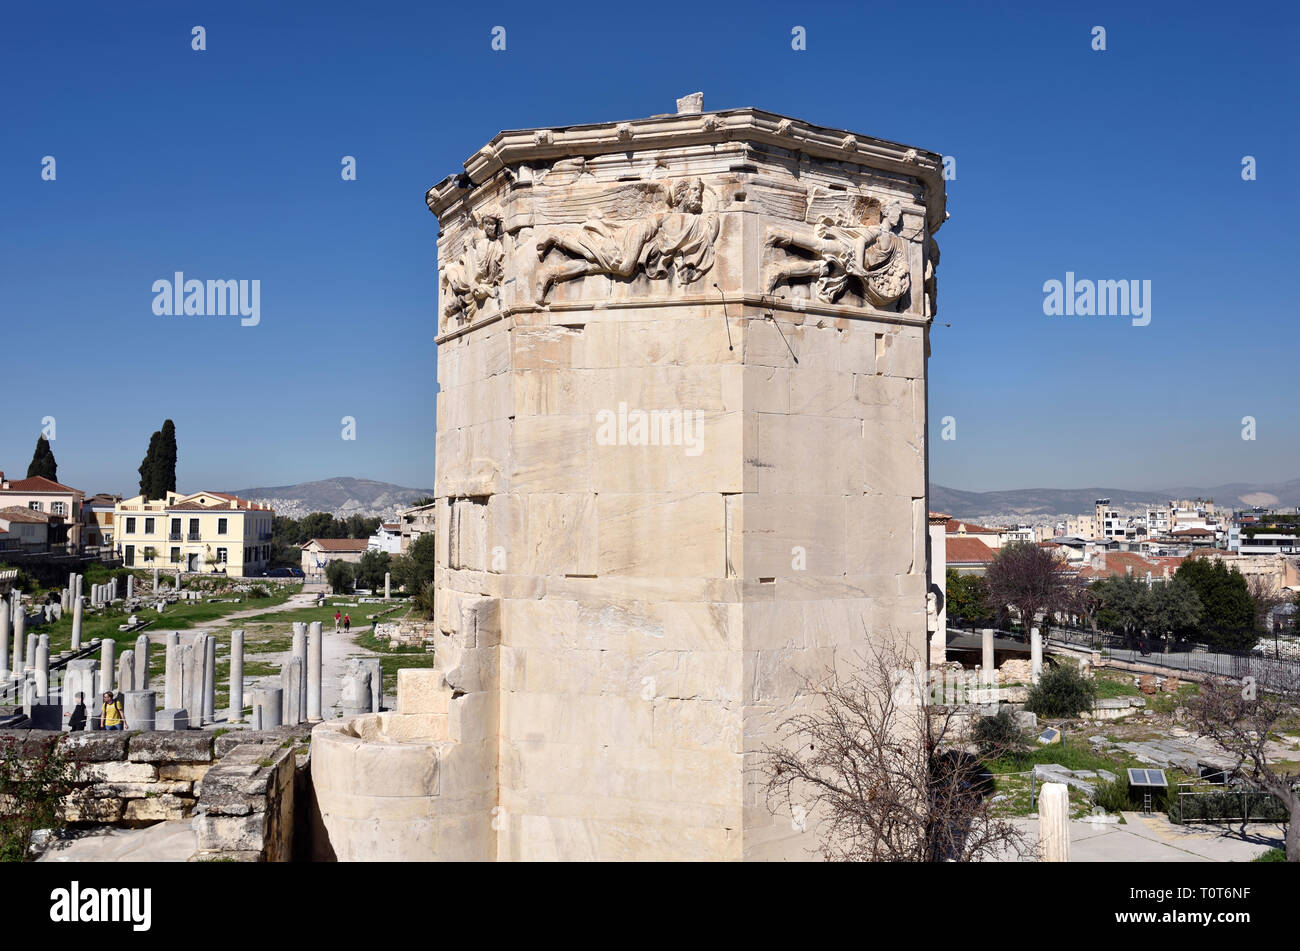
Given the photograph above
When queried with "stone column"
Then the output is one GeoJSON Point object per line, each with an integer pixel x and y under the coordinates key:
{"type": "Point", "coordinates": [77, 610]}
{"type": "Point", "coordinates": [139, 708]}
{"type": "Point", "coordinates": [388, 584]}
{"type": "Point", "coordinates": [314, 639]}
{"type": "Point", "coordinates": [20, 638]}
{"type": "Point", "coordinates": [130, 587]}
{"type": "Point", "coordinates": [192, 680]}
{"type": "Point", "coordinates": [78, 591]}
{"type": "Point", "coordinates": [1035, 654]}
{"type": "Point", "coordinates": [155, 579]}
{"type": "Point", "coordinates": [142, 662]}
{"type": "Point", "coordinates": [267, 707]}
{"type": "Point", "coordinates": [355, 696]}
{"type": "Point", "coordinates": [210, 678]}
{"type": "Point", "coordinates": [291, 683]}
{"type": "Point", "coordinates": [6, 626]}
{"type": "Point", "coordinates": [126, 671]}
{"type": "Point", "coordinates": [29, 656]}
{"type": "Point", "coordinates": [300, 652]}
{"type": "Point", "coordinates": [376, 669]}
{"type": "Point", "coordinates": [43, 673]}
{"type": "Point", "coordinates": [81, 676]}
{"type": "Point", "coordinates": [107, 649]}
{"type": "Point", "coordinates": [1054, 822]}
{"type": "Point", "coordinates": [172, 692]}
{"type": "Point", "coordinates": [236, 714]}
{"type": "Point", "coordinates": [989, 669]}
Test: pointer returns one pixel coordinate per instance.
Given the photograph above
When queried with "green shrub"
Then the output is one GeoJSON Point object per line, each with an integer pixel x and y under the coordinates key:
{"type": "Point", "coordinates": [426, 601]}
{"type": "Point", "coordinates": [1272, 855]}
{"type": "Point", "coordinates": [341, 576]}
{"type": "Point", "coordinates": [1061, 692]}
{"type": "Point", "coordinates": [998, 735]}
{"type": "Point", "coordinates": [1114, 796]}
{"type": "Point", "coordinates": [1226, 806]}
{"type": "Point", "coordinates": [258, 591]}
{"type": "Point", "coordinates": [35, 777]}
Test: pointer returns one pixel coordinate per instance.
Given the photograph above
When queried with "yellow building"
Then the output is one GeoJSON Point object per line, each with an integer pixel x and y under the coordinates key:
{"type": "Point", "coordinates": [203, 532]}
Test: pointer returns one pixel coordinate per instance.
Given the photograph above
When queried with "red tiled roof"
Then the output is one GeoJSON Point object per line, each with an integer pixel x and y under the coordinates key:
{"type": "Point", "coordinates": [16, 513]}
{"type": "Point", "coordinates": [38, 484]}
{"type": "Point", "coordinates": [1118, 563]}
{"type": "Point", "coordinates": [970, 528]}
{"type": "Point", "coordinates": [1193, 531]}
{"type": "Point", "coordinates": [338, 544]}
{"type": "Point", "coordinates": [967, 551]}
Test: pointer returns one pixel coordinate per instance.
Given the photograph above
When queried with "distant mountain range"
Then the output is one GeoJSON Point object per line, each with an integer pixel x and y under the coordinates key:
{"type": "Point", "coordinates": [1041, 504]}
{"type": "Point", "coordinates": [340, 497]}
{"type": "Point", "coordinates": [345, 496]}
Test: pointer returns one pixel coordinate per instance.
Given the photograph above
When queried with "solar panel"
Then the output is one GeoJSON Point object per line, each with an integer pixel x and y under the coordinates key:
{"type": "Point", "coordinates": [1146, 777]}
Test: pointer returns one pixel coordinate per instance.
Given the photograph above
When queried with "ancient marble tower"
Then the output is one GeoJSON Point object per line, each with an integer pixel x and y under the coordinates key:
{"type": "Point", "coordinates": [681, 466]}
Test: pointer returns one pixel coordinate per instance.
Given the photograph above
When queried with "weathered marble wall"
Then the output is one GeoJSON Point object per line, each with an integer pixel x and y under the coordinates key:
{"type": "Point", "coordinates": [628, 623]}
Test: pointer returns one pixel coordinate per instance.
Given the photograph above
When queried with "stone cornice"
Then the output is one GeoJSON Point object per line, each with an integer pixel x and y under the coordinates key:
{"type": "Point", "coordinates": [512, 148]}
{"type": "Point", "coordinates": [799, 311]}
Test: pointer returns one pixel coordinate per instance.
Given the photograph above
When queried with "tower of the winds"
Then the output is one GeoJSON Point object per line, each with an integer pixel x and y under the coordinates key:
{"type": "Point", "coordinates": [681, 469]}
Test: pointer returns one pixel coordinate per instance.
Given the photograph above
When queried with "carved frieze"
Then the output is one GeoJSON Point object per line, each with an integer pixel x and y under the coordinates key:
{"type": "Point", "coordinates": [657, 228]}
{"type": "Point", "coordinates": [474, 276]}
{"type": "Point", "coordinates": [855, 244]}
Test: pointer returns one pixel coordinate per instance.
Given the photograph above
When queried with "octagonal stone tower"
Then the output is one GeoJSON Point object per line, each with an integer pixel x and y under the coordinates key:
{"type": "Point", "coordinates": [681, 466]}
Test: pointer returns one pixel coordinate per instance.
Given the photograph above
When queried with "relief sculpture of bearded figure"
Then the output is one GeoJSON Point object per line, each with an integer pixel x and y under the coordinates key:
{"type": "Point", "coordinates": [680, 241]}
{"type": "Point", "coordinates": [685, 238]}
{"type": "Point", "coordinates": [476, 274]}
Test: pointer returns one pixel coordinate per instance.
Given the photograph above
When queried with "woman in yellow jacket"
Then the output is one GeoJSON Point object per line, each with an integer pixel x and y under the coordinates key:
{"type": "Point", "coordinates": [113, 718]}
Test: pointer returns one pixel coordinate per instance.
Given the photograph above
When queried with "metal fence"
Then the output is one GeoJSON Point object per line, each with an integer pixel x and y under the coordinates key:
{"type": "Point", "coordinates": [1195, 803]}
{"type": "Point", "coordinates": [1269, 672]}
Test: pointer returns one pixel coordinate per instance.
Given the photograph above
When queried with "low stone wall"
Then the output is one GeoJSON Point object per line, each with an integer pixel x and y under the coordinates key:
{"type": "Point", "coordinates": [407, 633]}
{"type": "Point", "coordinates": [134, 779]}
{"type": "Point", "coordinates": [240, 784]}
{"type": "Point", "coordinates": [247, 805]}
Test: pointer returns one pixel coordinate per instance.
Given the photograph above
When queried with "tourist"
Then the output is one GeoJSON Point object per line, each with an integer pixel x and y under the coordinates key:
{"type": "Point", "coordinates": [77, 718]}
{"type": "Point", "coordinates": [347, 623]}
{"type": "Point", "coordinates": [337, 618]}
{"type": "Point", "coordinates": [112, 713]}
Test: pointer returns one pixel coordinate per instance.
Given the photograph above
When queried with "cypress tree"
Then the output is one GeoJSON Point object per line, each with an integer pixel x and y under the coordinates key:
{"type": "Point", "coordinates": [43, 463]}
{"type": "Point", "coordinates": [166, 459]}
{"type": "Point", "coordinates": [148, 468]}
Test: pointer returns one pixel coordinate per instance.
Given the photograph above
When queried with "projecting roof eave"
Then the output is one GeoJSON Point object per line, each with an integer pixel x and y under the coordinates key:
{"type": "Point", "coordinates": [517, 146]}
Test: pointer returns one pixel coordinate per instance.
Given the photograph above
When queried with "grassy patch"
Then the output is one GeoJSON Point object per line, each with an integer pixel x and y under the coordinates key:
{"type": "Point", "coordinates": [306, 614]}
{"type": "Point", "coordinates": [368, 640]}
{"type": "Point", "coordinates": [181, 616]}
{"type": "Point", "coordinates": [1110, 686]}
{"type": "Point", "coordinates": [1272, 855]}
{"type": "Point", "coordinates": [1069, 753]}
{"type": "Point", "coordinates": [268, 645]}
{"type": "Point", "coordinates": [392, 663]}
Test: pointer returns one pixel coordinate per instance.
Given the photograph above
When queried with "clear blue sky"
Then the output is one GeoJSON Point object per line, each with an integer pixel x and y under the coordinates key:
{"type": "Point", "coordinates": [1117, 164]}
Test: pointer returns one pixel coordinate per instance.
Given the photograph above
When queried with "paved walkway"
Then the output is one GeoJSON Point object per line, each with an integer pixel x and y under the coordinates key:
{"type": "Point", "coordinates": [1155, 839]}
{"type": "Point", "coordinates": [163, 842]}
